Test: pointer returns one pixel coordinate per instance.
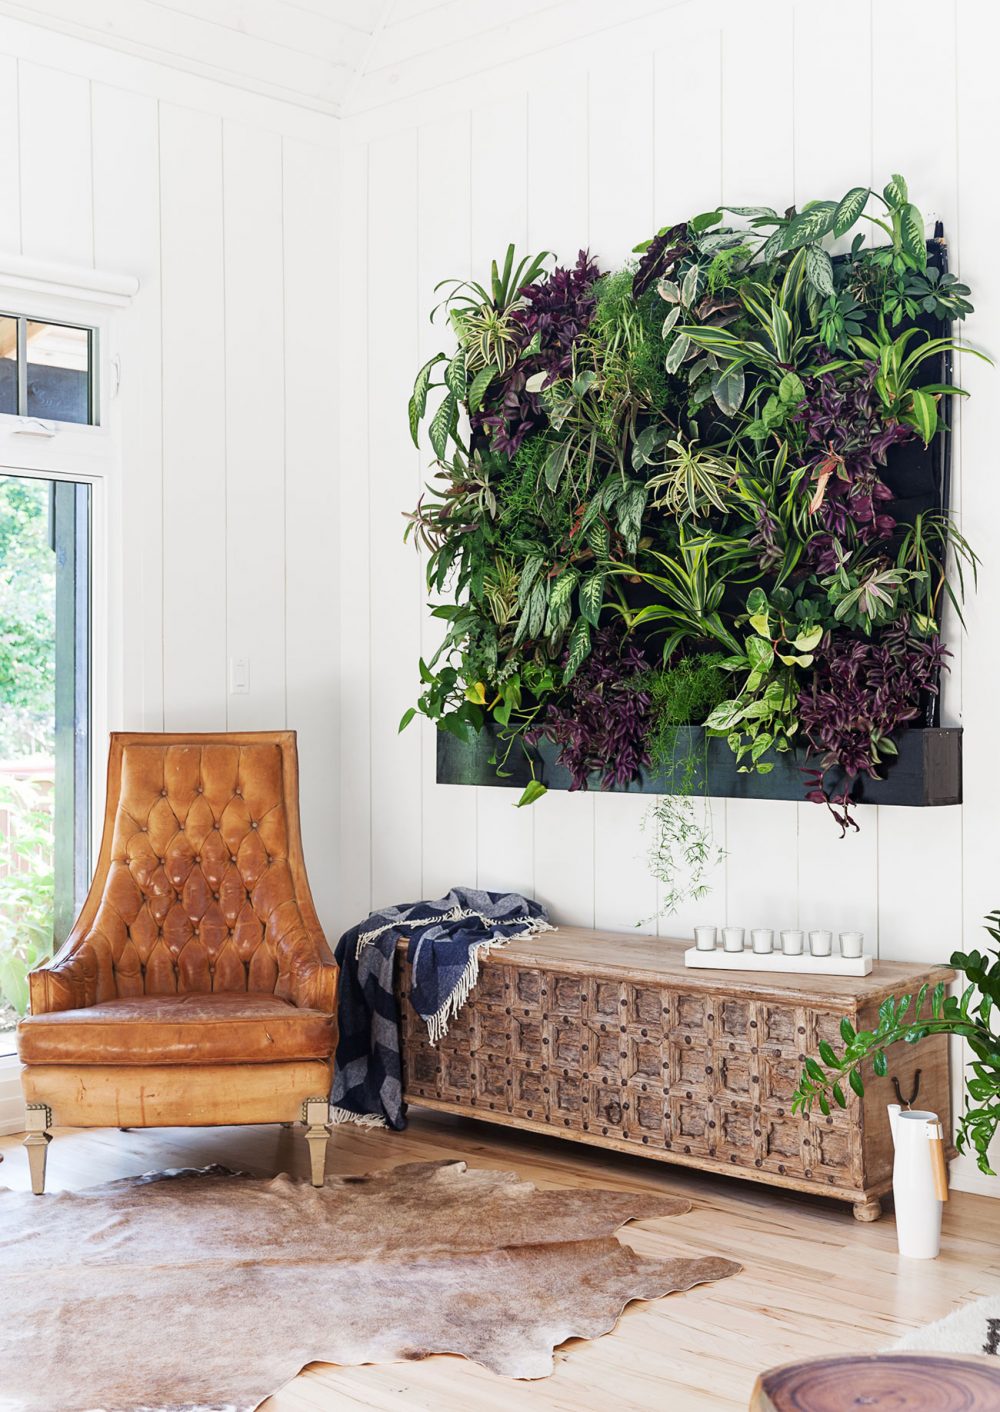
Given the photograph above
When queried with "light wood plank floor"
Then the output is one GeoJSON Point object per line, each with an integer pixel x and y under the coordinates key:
{"type": "Point", "coordinates": [815, 1280]}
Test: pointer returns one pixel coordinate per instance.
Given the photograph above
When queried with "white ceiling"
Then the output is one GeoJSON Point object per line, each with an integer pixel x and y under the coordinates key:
{"type": "Point", "coordinates": [334, 56]}
{"type": "Point", "coordinates": [305, 51]}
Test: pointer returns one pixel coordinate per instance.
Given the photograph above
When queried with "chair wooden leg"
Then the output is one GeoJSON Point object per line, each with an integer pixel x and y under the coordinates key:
{"type": "Point", "coordinates": [315, 1112]}
{"type": "Point", "coordinates": [38, 1120]}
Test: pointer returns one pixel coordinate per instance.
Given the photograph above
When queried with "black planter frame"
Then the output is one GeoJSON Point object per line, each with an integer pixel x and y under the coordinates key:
{"type": "Point", "coordinates": [926, 772]}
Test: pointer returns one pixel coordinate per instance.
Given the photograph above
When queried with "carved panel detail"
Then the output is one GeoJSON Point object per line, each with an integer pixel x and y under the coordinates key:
{"type": "Point", "coordinates": [679, 1073]}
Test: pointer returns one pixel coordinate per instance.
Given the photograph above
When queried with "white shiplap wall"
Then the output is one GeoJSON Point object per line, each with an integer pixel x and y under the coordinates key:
{"type": "Point", "coordinates": [225, 206]}
{"type": "Point", "coordinates": [595, 138]}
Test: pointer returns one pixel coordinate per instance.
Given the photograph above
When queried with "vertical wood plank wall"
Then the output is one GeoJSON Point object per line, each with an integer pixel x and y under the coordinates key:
{"type": "Point", "coordinates": [597, 140]}
{"type": "Point", "coordinates": [225, 206]}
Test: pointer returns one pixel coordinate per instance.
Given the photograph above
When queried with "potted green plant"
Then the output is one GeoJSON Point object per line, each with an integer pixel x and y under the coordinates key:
{"type": "Point", "coordinates": [907, 1019]}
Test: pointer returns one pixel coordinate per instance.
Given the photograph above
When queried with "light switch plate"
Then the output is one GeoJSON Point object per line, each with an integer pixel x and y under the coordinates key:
{"type": "Point", "coordinates": [239, 676]}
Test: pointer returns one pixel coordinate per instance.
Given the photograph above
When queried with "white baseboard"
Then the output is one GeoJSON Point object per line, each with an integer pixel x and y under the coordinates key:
{"type": "Point", "coordinates": [11, 1099]}
{"type": "Point", "coordinates": [964, 1175]}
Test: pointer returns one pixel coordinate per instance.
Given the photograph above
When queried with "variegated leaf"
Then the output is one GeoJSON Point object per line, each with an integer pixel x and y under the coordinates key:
{"type": "Point", "coordinates": [579, 649]}
{"type": "Point", "coordinates": [443, 424]}
{"type": "Point", "coordinates": [592, 598]}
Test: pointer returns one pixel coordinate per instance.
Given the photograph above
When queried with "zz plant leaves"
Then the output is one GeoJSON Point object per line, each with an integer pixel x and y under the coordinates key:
{"type": "Point", "coordinates": [908, 1019]}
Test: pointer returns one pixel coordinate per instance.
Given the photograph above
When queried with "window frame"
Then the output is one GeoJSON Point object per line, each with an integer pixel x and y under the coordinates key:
{"type": "Point", "coordinates": [21, 364]}
{"type": "Point", "coordinates": [90, 453]}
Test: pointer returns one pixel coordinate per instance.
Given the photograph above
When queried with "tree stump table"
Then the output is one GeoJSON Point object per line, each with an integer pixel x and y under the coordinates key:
{"type": "Point", "coordinates": [881, 1382]}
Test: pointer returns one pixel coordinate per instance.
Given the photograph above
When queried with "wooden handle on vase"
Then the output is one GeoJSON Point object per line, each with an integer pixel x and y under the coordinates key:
{"type": "Point", "coordinates": [937, 1161]}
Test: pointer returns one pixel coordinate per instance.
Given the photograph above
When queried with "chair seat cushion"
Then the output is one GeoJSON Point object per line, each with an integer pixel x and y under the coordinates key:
{"type": "Point", "coordinates": [221, 1028]}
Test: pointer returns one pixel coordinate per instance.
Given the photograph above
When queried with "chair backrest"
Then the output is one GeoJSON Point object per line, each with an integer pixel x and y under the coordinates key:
{"type": "Point", "coordinates": [200, 873]}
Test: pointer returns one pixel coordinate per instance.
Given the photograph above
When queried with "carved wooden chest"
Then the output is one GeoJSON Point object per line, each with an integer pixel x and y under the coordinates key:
{"type": "Point", "coordinates": [609, 1040]}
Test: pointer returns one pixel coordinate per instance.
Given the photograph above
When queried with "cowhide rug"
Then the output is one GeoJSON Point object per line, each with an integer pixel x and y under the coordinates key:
{"type": "Point", "coordinates": [205, 1291]}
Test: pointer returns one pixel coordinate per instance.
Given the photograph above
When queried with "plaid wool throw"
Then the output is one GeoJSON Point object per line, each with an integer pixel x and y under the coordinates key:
{"type": "Point", "coordinates": [445, 940]}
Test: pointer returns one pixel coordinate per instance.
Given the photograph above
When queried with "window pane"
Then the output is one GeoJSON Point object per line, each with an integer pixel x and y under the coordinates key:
{"type": "Point", "coordinates": [8, 365]}
{"type": "Point", "coordinates": [44, 726]}
{"type": "Point", "coordinates": [58, 373]}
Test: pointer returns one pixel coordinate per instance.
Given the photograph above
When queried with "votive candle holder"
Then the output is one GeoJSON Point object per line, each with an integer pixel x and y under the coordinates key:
{"type": "Point", "coordinates": [792, 942]}
{"type": "Point", "coordinates": [821, 943]}
{"type": "Point", "coordinates": [706, 938]}
{"type": "Point", "coordinates": [852, 945]}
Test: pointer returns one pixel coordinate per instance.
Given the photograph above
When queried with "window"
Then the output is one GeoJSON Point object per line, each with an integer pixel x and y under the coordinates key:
{"type": "Point", "coordinates": [47, 370]}
{"type": "Point", "coordinates": [44, 725]}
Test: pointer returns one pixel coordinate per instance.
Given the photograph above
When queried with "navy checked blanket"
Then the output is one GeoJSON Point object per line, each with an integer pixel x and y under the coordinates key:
{"type": "Point", "coordinates": [445, 940]}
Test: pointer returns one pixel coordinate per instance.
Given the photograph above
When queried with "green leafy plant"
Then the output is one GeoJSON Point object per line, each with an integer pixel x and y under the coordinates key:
{"type": "Point", "coordinates": [908, 1019]}
{"type": "Point", "coordinates": [708, 449]}
{"type": "Point", "coordinates": [763, 717]}
{"type": "Point", "coordinates": [27, 890]}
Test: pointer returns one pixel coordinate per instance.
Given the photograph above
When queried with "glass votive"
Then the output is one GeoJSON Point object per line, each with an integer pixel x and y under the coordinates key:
{"type": "Point", "coordinates": [821, 943]}
{"type": "Point", "coordinates": [732, 938]}
{"type": "Point", "coordinates": [791, 943]}
{"type": "Point", "coordinates": [762, 940]}
{"type": "Point", "coordinates": [705, 938]}
{"type": "Point", "coordinates": [852, 944]}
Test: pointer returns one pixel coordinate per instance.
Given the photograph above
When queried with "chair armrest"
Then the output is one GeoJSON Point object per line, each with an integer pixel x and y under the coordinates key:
{"type": "Point", "coordinates": [68, 982]}
{"type": "Point", "coordinates": [307, 977]}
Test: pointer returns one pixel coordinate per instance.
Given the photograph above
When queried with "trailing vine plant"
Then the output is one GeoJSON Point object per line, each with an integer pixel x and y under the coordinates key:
{"type": "Point", "coordinates": [707, 454]}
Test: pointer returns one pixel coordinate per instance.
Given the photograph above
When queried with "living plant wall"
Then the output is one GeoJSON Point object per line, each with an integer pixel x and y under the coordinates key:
{"type": "Point", "coordinates": [705, 490]}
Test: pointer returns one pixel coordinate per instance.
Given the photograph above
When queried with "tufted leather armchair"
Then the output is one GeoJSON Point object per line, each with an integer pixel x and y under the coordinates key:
{"type": "Point", "coordinates": [196, 987]}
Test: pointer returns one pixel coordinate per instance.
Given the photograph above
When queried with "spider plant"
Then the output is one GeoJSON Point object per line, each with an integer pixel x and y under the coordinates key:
{"type": "Point", "coordinates": [899, 369]}
{"type": "Point", "coordinates": [924, 548]}
{"type": "Point", "coordinates": [505, 285]}
{"type": "Point", "coordinates": [694, 480]}
{"type": "Point", "coordinates": [691, 583]}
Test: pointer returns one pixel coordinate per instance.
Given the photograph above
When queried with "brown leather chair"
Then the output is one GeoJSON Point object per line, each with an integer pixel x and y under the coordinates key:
{"type": "Point", "coordinates": [196, 987]}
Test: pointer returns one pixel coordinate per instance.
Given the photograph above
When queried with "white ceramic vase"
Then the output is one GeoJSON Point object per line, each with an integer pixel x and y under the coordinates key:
{"type": "Point", "coordinates": [917, 1181]}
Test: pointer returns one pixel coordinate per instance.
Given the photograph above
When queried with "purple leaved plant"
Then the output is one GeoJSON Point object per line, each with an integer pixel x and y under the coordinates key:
{"type": "Point", "coordinates": [660, 257]}
{"type": "Point", "coordinates": [847, 440]}
{"type": "Point", "coordinates": [861, 693]}
{"type": "Point", "coordinates": [603, 720]}
{"type": "Point", "coordinates": [556, 310]}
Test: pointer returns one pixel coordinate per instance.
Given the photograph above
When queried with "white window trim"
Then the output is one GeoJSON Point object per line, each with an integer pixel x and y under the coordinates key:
{"type": "Point", "coordinates": [93, 455]}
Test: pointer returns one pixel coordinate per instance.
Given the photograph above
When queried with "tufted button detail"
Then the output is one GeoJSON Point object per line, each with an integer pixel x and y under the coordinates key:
{"type": "Point", "coordinates": [238, 793]}
{"type": "Point", "coordinates": [216, 896]}
{"type": "Point", "coordinates": [253, 823]}
{"type": "Point", "coordinates": [163, 794]}
{"type": "Point", "coordinates": [232, 857]}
